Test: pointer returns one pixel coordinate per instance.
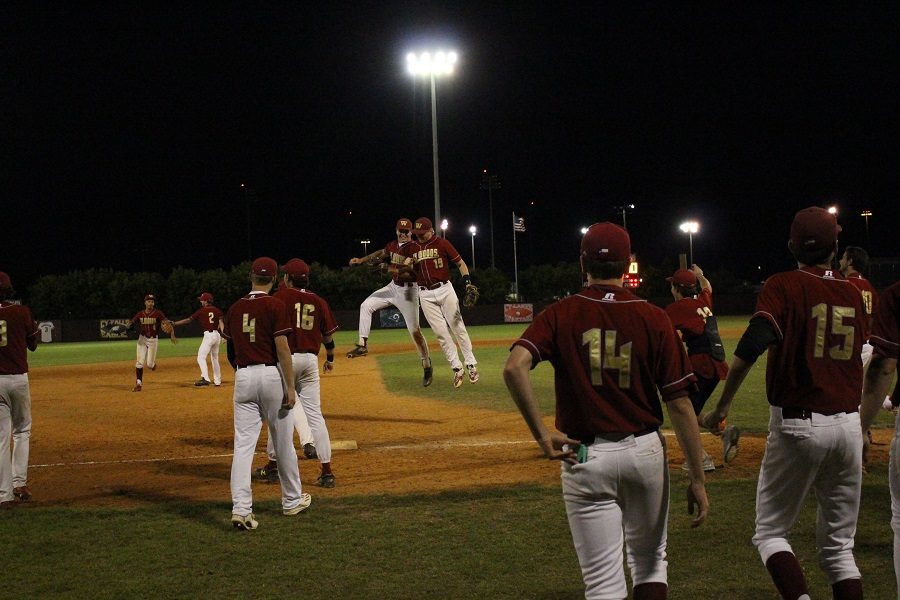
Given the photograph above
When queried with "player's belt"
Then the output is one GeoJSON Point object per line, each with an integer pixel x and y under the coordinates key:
{"type": "Point", "coordinates": [433, 286]}
{"type": "Point", "coordinates": [257, 365]}
{"type": "Point", "coordinates": [405, 283]}
{"type": "Point", "coordinates": [795, 412]}
{"type": "Point", "coordinates": [616, 436]}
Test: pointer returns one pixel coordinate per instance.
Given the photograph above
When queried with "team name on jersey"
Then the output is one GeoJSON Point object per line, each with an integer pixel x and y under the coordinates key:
{"type": "Point", "coordinates": [148, 320]}
{"type": "Point", "coordinates": [609, 297]}
{"type": "Point", "coordinates": [397, 259]}
{"type": "Point", "coordinates": [829, 274]}
{"type": "Point", "coordinates": [426, 254]}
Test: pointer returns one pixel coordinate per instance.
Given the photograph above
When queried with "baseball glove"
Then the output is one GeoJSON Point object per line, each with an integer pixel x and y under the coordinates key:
{"type": "Point", "coordinates": [169, 328]}
{"type": "Point", "coordinates": [471, 297]}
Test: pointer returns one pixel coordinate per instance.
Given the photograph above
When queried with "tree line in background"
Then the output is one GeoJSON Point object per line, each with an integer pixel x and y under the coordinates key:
{"type": "Point", "coordinates": [104, 293]}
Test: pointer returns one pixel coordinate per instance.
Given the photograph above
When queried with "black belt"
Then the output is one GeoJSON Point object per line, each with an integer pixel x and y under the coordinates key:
{"type": "Point", "coordinates": [615, 436]}
{"type": "Point", "coordinates": [433, 286]}
{"type": "Point", "coordinates": [795, 412]}
{"type": "Point", "coordinates": [254, 364]}
{"type": "Point", "coordinates": [405, 283]}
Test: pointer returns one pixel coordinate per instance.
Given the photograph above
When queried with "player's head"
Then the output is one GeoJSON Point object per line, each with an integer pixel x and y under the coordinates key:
{"type": "Point", "coordinates": [814, 233]}
{"type": "Point", "coordinates": [605, 251]}
{"type": "Point", "coordinates": [423, 229]}
{"type": "Point", "coordinates": [6, 288]}
{"type": "Point", "coordinates": [403, 230]}
{"type": "Point", "coordinates": [263, 271]}
{"type": "Point", "coordinates": [205, 298]}
{"type": "Point", "coordinates": [684, 283]}
{"type": "Point", "coordinates": [296, 272]}
{"type": "Point", "coordinates": [854, 258]}
{"type": "Point", "coordinates": [149, 301]}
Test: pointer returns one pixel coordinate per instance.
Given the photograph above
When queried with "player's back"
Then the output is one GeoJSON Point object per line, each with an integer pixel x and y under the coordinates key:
{"type": "Point", "coordinates": [819, 318]}
{"type": "Point", "coordinates": [310, 317]}
{"type": "Point", "coordinates": [16, 325]}
{"type": "Point", "coordinates": [252, 323]}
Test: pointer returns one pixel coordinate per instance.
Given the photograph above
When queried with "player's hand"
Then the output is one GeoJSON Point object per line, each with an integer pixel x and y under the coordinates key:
{"type": "Point", "coordinates": [288, 401]}
{"type": "Point", "coordinates": [867, 443]}
{"type": "Point", "coordinates": [697, 270]}
{"type": "Point", "coordinates": [712, 421]}
{"type": "Point", "coordinates": [354, 261]}
{"type": "Point", "coordinates": [553, 448]}
{"type": "Point", "coordinates": [328, 366]}
{"type": "Point", "coordinates": [696, 499]}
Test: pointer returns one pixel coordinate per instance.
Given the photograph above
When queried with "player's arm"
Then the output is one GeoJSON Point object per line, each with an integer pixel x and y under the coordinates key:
{"type": "Point", "coordinates": [515, 374]}
{"type": "Point", "coordinates": [376, 256]}
{"type": "Point", "coordinates": [684, 422]}
{"type": "Point", "coordinates": [283, 350]}
{"type": "Point", "coordinates": [463, 269]}
{"type": "Point", "coordinates": [703, 281]}
{"type": "Point", "coordinates": [875, 388]}
{"type": "Point", "coordinates": [328, 342]}
{"type": "Point", "coordinates": [184, 321]}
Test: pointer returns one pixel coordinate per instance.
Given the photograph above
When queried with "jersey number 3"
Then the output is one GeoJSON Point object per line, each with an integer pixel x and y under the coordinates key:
{"type": "Point", "coordinates": [602, 354]}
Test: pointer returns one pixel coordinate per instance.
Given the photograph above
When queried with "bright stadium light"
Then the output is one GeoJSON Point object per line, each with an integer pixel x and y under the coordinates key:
{"type": "Point", "coordinates": [473, 230]}
{"type": "Point", "coordinates": [690, 228]}
{"type": "Point", "coordinates": [584, 230]}
{"type": "Point", "coordinates": [444, 226]}
{"type": "Point", "coordinates": [832, 210]}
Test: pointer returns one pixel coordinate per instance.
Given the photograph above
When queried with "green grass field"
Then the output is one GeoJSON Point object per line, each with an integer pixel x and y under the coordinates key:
{"type": "Point", "coordinates": [507, 542]}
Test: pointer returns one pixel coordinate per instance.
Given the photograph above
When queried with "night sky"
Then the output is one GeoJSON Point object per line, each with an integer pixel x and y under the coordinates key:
{"type": "Point", "coordinates": [129, 131]}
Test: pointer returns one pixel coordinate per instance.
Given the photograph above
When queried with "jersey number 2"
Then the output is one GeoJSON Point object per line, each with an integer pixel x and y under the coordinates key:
{"type": "Point", "coordinates": [604, 356]}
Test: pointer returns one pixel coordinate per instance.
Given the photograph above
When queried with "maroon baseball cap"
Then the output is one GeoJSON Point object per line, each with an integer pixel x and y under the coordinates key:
{"type": "Point", "coordinates": [404, 223]}
{"type": "Point", "coordinates": [150, 297]}
{"type": "Point", "coordinates": [205, 297]}
{"type": "Point", "coordinates": [606, 242]}
{"type": "Point", "coordinates": [5, 283]}
{"type": "Point", "coordinates": [814, 228]}
{"type": "Point", "coordinates": [683, 277]}
{"type": "Point", "coordinates": [265, 266]}
{"type": "Point", "coordinates": [296, 267]}
{"type": "Point", "coordinates": [423, 225]}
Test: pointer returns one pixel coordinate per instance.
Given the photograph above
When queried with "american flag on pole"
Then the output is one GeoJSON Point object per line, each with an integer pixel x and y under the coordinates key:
{"type": "Point", "coordinates": [519, 225]}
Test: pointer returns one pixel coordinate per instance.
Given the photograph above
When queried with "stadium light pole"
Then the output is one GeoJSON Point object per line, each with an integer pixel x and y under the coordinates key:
{"type": "Point", "coordinates": [473, 230]}
{"type": "Point", "coordinates": [431, 66]}
{"type": "Point", "coordinates": [444, 226]}
{"type": "Point", "coordinates": [624, 208]}
{"type": "Point", "coordinates": [490, 183]}
{"type": "Point", "coordinates": [365, 245]}
{"type": "Point", "coordinates": [690, 228]}
{"type": "Point", "coordinates": [865, 215]}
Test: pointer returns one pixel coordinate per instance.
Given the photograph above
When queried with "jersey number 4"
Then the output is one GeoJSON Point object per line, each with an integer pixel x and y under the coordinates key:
{"type": "Point", "coordinates": [602, 354]}
{"type": "Point", "coordinates": [844, 351]}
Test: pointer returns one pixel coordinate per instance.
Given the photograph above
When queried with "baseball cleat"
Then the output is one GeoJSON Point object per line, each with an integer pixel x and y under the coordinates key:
{"type": "Point", "coordinates": [473, 373]}
{"type": "Point", "coordinates": [730, 443]}
{"type": "Point", "coordinates": [457, 377]}
{"type": "Point", "coordinates": [268, 473]}
{"type": "Point", "coordinates": [247, 523]}
{"type": "Point", "coordinates": [708, 464]}
{"type": "Point", "coordinates": [326, 481]}
{"type": "Point", "coordinates": [309, 451]}
{"type": "Point", "coordinates": [22, 494]}
{"type": "Point", "coordinates": [427, 376]}
{"type": "Point", "coordinates": [152, 368]}
{"type": "Point", "coordinates": [305, 501]}
{"type": "Point", "coordinates": [201, 382]}
{"type": "Point", "coordinates": [358, 351]}
{"type": "Point", "coordinates": [136, 388]}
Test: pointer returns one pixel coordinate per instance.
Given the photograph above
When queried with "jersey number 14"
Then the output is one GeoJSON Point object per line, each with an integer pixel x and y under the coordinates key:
{"type": "Point", "coordinates": [602, 354]}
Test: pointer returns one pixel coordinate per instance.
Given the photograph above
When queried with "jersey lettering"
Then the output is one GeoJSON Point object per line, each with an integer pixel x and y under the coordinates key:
{"type": "Point", "coordinates": [867, 301]}
{"type": "Point", "coordinates": [605, 357]}
{"type": "Point", "coordinates": [212, 317]}
{"type": "Point", "coordinates": [820, 313]}
{"type": "Point", "coordinates": [4, 340]}
{"type": "Point", "coordinates": [305, 319]}
{"type": "Point", "coordinates": [249, 327]}
{"type": "Point", "coordinates": [704, 312]}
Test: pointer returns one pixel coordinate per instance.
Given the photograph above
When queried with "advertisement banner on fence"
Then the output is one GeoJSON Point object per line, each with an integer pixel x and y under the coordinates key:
{"type": "Point", "coordinates": [112, 329]}
{"type": "Point", "coordinates": [51, 331]}
{"type": "Point", "coordinates": [518, 313]}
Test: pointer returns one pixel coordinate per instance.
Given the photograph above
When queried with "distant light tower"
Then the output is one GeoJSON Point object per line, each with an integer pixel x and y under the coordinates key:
{"type": "Point", "coordinates": [473, 230]}
{"type": "Point", "coordinates": [444, 226]}
{"type": "Point", "coordinates": [426, 64]}
{"type": "Point", "coordinates": [866, 214]}
{"type": "Point", "coordinates": [490, 183]}
{"type": "Point", "coordinates": [365, 243]}
{"type": "Point", "coordinates": [832, 210]}
{"type": "Point", "coordinates": [690, 228]}
{"type": "Point", "coordinates": [584, 230]}
{"type": "Point", "coordinates": [624, 208]}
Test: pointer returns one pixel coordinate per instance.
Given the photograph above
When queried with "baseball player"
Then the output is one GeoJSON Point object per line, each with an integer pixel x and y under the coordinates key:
{"type": "Point", "coordinates": [854, 264]}
{"type": "Point", "coordinates": [885, 340]}
{"type": "Point", "coordinates": [210, 319]}
{"type": "Point", "coordinates": [613, 355]}
{"type": "Point", "coordinates": [148, 321]}
{"type": "Point", "coordinates": [256, 327]}
{"type": "Point", "coordinates": [401, 292]}
{"type": "Point", "coordinates": [431, 257]}
{"type": "Point", "coordinates": [812, 322]}
{"type": "Point", "coordinates": [692, 316]}
{"type": "Point", "coordinates": [18, 331]}
{"type": "Point", "coordinates": [313, 326]}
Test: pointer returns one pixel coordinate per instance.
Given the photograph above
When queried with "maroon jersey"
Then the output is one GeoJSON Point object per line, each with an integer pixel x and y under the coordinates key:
{"type": "Point", "coordinates": [208, 316]}
{"type": "Point", "coordinates": [18, 332]}
{"type": "Point", "coordinates": [431, 259]}
{"type": "Point", "coordinates": [870, 298]}
{"type": "Point", "coordinates": [149, 322]}
{"type": "Point", "coordinates": [611, 352]}
{"type": "Point", "coordinates": [393, 252]}
{"type": "Point", "coordinates": [886, 328]}
{"type": "Point", "coordinates": [252, 324]}
{"type": "Point", "coordinates": [309, 316]}
{"type": "Point", "coordinates": [818, 319]}
{"type": "Point", "coordinates": [693, 318]}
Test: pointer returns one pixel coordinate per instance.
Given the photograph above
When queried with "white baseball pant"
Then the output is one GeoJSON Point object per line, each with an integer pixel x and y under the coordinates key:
{"type": "Point", "coordinates": [619, 496]}
{"type": "Point", "coordinates": [210, 347]}
{"type": "Point", "coordinates": [894, 480]}
{"type": "Point", "coordinates": [824, 454]}
{"type": "Point", "coordinates": [146, 352]}
{"type": "Point", "coordinates": [404, 297]}
{"type": "Point", "coordinates": [257, 398]}
{"type": "Point", "coordinates": [15, 424]}
{"type": "Point", "coordinates": [308, 419]}
{"type": "Point", "coordinates": [441, 308]}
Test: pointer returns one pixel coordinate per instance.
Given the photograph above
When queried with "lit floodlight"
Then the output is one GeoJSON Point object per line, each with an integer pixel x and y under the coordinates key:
{"type": "Point", "coordinates": [690, 227]}
{"type": "Point", "coordinates": [473, 230]}
{"type": "Point", "coordinates": [584, 230]}
{"type": "Point", "coordinates": [444, 225]}
{"type": "Point", "coordinates": [426, 63]}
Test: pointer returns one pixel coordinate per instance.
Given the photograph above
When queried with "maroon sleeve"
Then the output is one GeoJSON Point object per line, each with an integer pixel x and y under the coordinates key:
{"type": "Point", "coordinates": [452, 253]}
{"type": "Point", "coordinates": [328, 323]}
{"type": "Point", "coordinates": [886, 328]}
{"type": "Point", "coordinates": [771, 304]}
{"type": "Point", "coordinates": [538, 338]}
{"type": "Point", "coordinates": [282, 321]}
{"type": "Point", "coordinates": [675, 375]}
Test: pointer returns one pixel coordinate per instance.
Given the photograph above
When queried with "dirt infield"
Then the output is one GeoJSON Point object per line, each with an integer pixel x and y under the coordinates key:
{"type": "Point", "coordinates": [94, 442]}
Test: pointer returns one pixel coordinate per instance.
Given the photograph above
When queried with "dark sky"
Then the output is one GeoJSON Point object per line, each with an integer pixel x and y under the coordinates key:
{"type": "Point", "coordinates": [128, 131]}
